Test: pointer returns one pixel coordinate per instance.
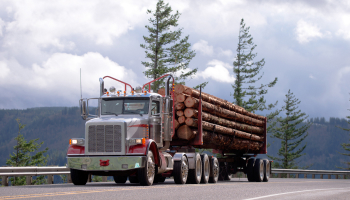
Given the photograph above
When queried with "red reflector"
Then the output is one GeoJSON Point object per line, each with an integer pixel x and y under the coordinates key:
{"type": "Point", "coordinates": [104, 163]}
{"type": "Point", "coordinates": [140, 125]}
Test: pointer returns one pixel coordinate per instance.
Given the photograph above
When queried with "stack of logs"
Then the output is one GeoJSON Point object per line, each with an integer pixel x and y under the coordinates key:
{"type": "Point", "coordinates": [225, 125]}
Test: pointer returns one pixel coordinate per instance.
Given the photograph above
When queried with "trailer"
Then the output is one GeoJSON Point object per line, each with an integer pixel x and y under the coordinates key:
{"type": "Point", "coordinates": [133, 138]}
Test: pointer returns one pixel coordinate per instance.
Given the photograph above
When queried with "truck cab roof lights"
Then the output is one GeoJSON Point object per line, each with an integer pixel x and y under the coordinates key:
{"type": "Point", "coordinates": [145, 92]}
{"type": "Point", "coordinates": [112, 89]}
{"type": "Point", "coordinates": [124, 93]}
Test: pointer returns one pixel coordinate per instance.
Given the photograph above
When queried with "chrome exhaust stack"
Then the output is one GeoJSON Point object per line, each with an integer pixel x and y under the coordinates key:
{"type": "Point", "coordinates": [102, 87]}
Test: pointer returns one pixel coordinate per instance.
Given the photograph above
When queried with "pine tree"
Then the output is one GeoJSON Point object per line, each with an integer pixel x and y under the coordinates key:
{"type": "Point", "coordinates": [23, 156]}
{"type": "Point", "coordinates": [247, 72]}
{"type": "Point", "coordinates": [164, 46]}
{"type": "Point", "coordinates": [291, 131]}
{"type": "Point", "coordinates": [346, 146]}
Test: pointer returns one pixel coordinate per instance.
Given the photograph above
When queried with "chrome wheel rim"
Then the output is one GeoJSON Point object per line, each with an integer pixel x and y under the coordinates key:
{"type": "Point", "coordinates": [215, 169]}
{"type": "Point", "coordinates": [150, 169]}
{"type": "Point", "coordinates": [199, 170]}
{"type": "Point", "coordinates": [267, 169]}
{"type": "Point", "coordinates": [206, 168]}
{"type": "Point", "coordinates": [184, 170]}
{"type": "Point", "coordinates": [262, 170]}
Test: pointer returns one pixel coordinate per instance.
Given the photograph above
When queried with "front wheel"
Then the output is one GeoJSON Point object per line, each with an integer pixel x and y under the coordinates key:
{"type": "Point", "coordinates": [146, 174]}
{"type": "Point", "coordinates": [78, 177]}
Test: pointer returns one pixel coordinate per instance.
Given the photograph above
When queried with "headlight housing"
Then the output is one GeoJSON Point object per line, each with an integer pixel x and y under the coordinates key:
{"type": "Point", "coordinates": [77, 141]}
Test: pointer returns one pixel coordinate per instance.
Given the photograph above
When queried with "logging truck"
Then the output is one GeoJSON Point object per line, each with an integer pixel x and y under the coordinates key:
{"type": "Point", "coordinates": [144, 137]}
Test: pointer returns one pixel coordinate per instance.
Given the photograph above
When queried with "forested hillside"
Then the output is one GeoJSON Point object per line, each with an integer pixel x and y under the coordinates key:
{"type": "Point", "coordinates": [56, 125]}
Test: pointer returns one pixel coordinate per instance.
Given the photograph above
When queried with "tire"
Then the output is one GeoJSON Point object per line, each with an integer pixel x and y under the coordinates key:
{"type": "Point", "coordinates": [120, 179]}
{"type": "Point", "coordinates": [133, 179]}
{"type": "Point", "coordinates": [259, 170]}
{"type": "Point", "coordinates": [267, 170]}
{"type": "Point", "coordinates": [180, 172]}
{"type": "Point", "coordinates": [159, 179]}
{"type": "Point", "coordinates": [146, 175]}
{"type": "Point", "coordinates": [250, 170]}
{"type": "Point", "coordinates": [195, 175]}
{"type": "Point", "coordinates": [214, 170]}
{"type": "Point", "coordinates": [205, 168]}
{"type": "Point", "coordinates": [78, 177]}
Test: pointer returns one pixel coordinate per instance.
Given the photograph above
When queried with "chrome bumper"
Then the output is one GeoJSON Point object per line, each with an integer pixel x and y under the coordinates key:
{"type": "Point", "coordinates": [106, 163]}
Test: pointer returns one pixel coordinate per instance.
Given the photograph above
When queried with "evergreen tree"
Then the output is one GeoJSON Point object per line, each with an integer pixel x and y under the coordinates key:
{"type": "Point", "coordinates": [247, 72]}
{"type": "Point", "coordinates": [346, 146]}
{"type": "Point", "coordinates": [164, 46]}
{"type": "Point", "coordinates": [23, 156]}
{"type": "Point", "coordinates": [291, 132]}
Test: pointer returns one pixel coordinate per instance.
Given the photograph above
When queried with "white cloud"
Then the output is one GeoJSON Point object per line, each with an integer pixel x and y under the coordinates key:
{"type": "Point", "coordinates": [306, 32]}
{"type": "Point", "coordinates": [227, 53]}
{"type": "Point", "coordinates": [57, 79]}
{"type": "Point", "coordinates": [218, 71]}
{"type": "Point", "coordinates": [311, 76]}
{"type": "Point", "coordinates": [4, 70]}
{"type": "Point", "coordinates": [203, 47]}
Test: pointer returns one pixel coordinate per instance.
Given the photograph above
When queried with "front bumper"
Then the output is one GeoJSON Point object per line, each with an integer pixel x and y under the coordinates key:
{"type": "Point", "coordinates": [98, 163]}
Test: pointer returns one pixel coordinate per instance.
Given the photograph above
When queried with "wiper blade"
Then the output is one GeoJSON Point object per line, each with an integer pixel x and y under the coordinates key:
{"type": "Point", "coordinates": [111, 113]}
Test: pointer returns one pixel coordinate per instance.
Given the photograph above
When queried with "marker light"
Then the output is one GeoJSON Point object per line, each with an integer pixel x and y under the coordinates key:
{"type": "Point", "coordinates": [118, 93]}
{"type": "Point", "coordinates": [145, 92]}
{"type": "Point", "coordinates": [124, 93]}
{"type": "Point", "coordinates": [132, 92]}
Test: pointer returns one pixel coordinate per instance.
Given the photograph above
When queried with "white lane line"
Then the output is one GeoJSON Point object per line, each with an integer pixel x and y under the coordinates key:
{"type": "Point", "coordinates": [272, 195]}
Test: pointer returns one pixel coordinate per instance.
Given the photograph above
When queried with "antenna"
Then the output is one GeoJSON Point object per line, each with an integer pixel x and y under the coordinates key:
{"type": "Point", "coordinates": [81, 93]}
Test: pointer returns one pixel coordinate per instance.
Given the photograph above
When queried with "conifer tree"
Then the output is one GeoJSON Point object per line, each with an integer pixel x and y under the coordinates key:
{"type": "Point", "coordinates": [23, 156]}
{"type": "Point", "coordinates": [169, 53]}
{"type": "Point", "coordinates": [292, 132]}
{"type": "Point", "coordinates": [247, 93]}
{"type": "Point", "coordinates": [346, 146]}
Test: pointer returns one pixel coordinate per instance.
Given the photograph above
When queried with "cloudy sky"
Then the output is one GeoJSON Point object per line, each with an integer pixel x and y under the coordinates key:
{"type": "Point", "coordinates": [44, 44]}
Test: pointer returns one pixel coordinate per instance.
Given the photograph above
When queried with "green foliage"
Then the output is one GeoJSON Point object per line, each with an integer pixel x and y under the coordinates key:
{"type": "Point", "coordinates": [290, 134]}
{"type": "Point", "coordinates": [247, 72]}
{"type": "Point", "coordinates": [96, 178]}
{"type": "Point", "coordinates": [164, 46]}
{"type": "Point", "coordinates": [200, 85]}
{"type": "Point", "coordinates": [23, 156]}
{"type": "Point", "coordinates": [346, 146]}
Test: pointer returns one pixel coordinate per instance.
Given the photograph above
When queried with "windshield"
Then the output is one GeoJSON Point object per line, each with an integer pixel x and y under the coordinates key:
{"type": "Point", "coordinates": [125, 106]}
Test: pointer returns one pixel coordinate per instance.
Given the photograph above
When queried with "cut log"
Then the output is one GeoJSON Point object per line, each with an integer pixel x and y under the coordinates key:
{"type": "Point", "coordinates": [190, 112]}
{"type": "Point", "coordinates": [185, 132]}
{"type": "Point", "coordinates": [179, 106]}
{"type": "Point", "coordinates": [176, 124]}
{"type": "Point", "coordinates": [223, 130]}
{"type": "Point", "coordinates": [225, 142]}
{"type": "Point", "coordinates": [192, 102]}
{"type": "Point", "coordinates": [181, 119]}
{"type": "Point", "coordinates": [179, 113]}
{"type": "Point", "coordinates": [161, 91]}
{"type": "Point", "coordinates": [180, 88]}
{"type": "Point", "coordinates": [218, 101]}
{"type": "Point", "coordinates": [181, 97]}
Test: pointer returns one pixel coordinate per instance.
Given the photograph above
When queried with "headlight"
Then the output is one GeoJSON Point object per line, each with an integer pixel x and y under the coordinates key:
{"type": "Point", "coordinates": [136, 141]}
{"type": "Point", "coordinates": [77, 141]}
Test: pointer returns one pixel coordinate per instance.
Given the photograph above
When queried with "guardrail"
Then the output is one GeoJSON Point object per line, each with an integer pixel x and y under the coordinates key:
{"type": "Point", "coordinates": [305, 172]}
{"type": "Point", "coordinates": [29, 172]}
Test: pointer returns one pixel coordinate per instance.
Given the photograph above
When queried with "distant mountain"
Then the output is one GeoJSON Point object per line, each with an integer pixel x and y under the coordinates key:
{"type": "Point", "coordinates": [56, 125]}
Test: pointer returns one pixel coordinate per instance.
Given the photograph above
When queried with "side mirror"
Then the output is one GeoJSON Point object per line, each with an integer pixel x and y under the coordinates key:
{"type": "Point", "coordinates": [83, 112]}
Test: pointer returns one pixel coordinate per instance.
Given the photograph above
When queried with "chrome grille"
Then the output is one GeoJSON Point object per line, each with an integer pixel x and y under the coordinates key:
{"type": "Point", "coordinates": [104, 138]}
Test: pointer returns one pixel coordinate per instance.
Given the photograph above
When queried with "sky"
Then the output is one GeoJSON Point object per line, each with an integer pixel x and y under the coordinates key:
{"type": "Point", "coordinates": [44, 44]}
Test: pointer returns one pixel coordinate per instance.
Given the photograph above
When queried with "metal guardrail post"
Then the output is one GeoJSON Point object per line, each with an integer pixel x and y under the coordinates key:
{"type": "Point", "coordinates": [305, 175]}
{"type": "Point", "coordinates": [336, 176]}
{"type": "Point", "coordinates": [279, 175]}
{"type": "Point", "coordinates": [313, 175]}
{"type": "Point", "coordinates": [104, 178]}
{"type": "Point", "coordinates": [329, 176]}
{"type": "Point", "coordinates": [89, 178]}
{"type": "Point", "coordinates": [29, 180]}
{"type": "Point", "coordinates": [321, 176]}
{"type": "Point", "coordinates": [288, 175]}
{"type": "Point", "coordinates": [69, 179]}
{"type": "Point", "coordinates": [49, 179]}
{"type": "Point", "coordinates": [4, 181]}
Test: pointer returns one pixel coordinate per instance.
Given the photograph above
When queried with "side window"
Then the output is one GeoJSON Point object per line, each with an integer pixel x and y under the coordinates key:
{"type": "Point", "coordinates": [155, 107]}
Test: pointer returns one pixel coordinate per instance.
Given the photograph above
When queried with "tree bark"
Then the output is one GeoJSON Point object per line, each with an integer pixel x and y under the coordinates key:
{"type": "Point", "coordinates": [221, 129]}
{"type": "Point", "coordinates": [192, 102]}
{"type": "Point", "coordinates": [218, 101]}
{"type": "Point", "coordinates": [180, 88]}
{"type": "Point", "coordinates": [190, 112]}
{"type": "Point", "coordinates": [225, 142]}
{"type": "Point", "coordinates": [185, 132]}
{"type": "Point", "coordinates": [180, 97]}
{"type": "Point", "coordinates": [176, 124]}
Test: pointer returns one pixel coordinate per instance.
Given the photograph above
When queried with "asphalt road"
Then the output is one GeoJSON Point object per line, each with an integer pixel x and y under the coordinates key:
{"type": "Point", "coordinates": [234, 189]}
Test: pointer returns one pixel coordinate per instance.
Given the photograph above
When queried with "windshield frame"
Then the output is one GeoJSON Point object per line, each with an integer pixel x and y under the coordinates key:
{"type": "Point", "coordinates": [145, 99]}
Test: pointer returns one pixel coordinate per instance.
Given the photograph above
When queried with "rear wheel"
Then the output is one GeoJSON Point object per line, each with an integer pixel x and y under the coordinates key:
{"type": "Point", "coordinates": [133, 179]}
{"type": "Point", "coordinates": [120, 179]}
{"type": "Point", "coordinates": [205, 168]}
{"type": "Point", "coordinates": [259, 170]}
{"type": "Point", "coordinates": [181, 170]}
{"type": "Point", "coordinates": [78, 177]}
{"type": "Point", "coordinates": [146, 174]}
{"type": "Point", "coordinates": [250, 169]}
{"type": "Point", "coordinates": [267, 169]}
{"type": "Point", "coordinates": [195, 175]}
{"type": "Point", "coordinates": [214, 170]}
